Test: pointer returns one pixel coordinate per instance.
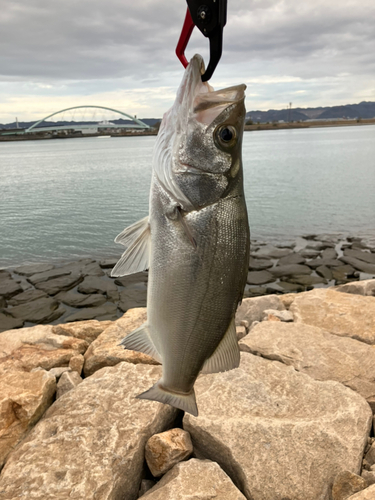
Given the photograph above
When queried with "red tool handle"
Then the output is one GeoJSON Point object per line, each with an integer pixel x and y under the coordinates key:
{"type": "Point", "coordinates": [184, 38]}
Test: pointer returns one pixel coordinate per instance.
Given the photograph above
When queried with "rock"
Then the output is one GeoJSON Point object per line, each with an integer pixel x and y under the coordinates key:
{"type": "Point", "coordinates": [259, 264]}
{"type": "Point", "coordinates": [325, 272]}
{"type": "Point", "coordinates": [27, 296]}
{"type": "Point", "coordinates": [339, 313]}
{"type": "Point", "coordinates": [368, 476]}
{"type": "Point", "coordinates": [367, 494]}
{"type": "Point", "coordinates": [106, 351]}
{"type": "Point", "coordinates": [93, 312]}
{"type": "Point", "coordinates": [290, 287]}
{"type": "Point", "coordinates": [86, 330]}
{"type": "Point", "coordinates": [259, 277]}
{"type": "Point", "coordinates": [289, 269]}
{"type": "Point", "coordinates": [8, 323]}
{"type": "Point", "coordinates": [366, 287]}
{"type": "Point", "coordinates": [320, 245]}
{"type": "Point", "coordinates": [41, 310]}
{"type": "Point", "coordinates": [32, 269]}
{"type": "Point", "coordinates": [92, 284]}
{"type": "Point", "coordinates": [346, 484]}
{"type": "Point", "coordinates": [292, 258]}
{"type": "Point", "coordinates": [132, 279]}
{"type": "Point", "coordinates": [307, 280]}
{"type": "Point", "coordinates": [359, 265]}
{"type": "Point", "coordinates": [5, 275]}
{"type": "Point", "coordinates": [308, 253]}
{"type": "Point", "coordinates": [287, 299]}
{"type": "Point", "coordinates": [59, 370]}
{"type": "Point", "coordinates": [36, 347]}
{"type": "Point", "coordinates": [146, 484]}
{"type": "Point", "coordinates": [24, 397]}
{"type": "Point", "coordinates": [86, 267]}
{"type": "Point", "coordinates": [132, 297]}
{"type": "Point", "coordinates": [329, 253]}
{"type": "Point", "coordinates": [268, 426]}
{"type": "Point", "coordinates": [370, 455]}
{"type": "Point", "coordinates": [241, 332]}
{"type": "Point", "coordinates": [252, 309]}
{"type": "Point", "coordinates": [254, 291]}
{"type": "Point", "coordinates": [165, 450]}
{"type": "Point", "coordinates": [271, 252]}
{"type": "Point", "coordinates": [90, 443]}
{"type": "Point", "coordinates": [76, 363]}
{"type": "Point", "coordinates": [54, 286]}
{"type": "Point", "coordinates": [75, 299]}
{"type": "Point", "coordinates": [316, 352]}
{"type": "Point", "coordinates": [195, 480]}
{"type": "Point", "coordinates": [47, 275]}
{"type": "Point", "coordinates": [357, 254]}
{"type": "Point", "coordinates": [323, 262]}
{"type": "Point", "coordinates": [109, 263]}
{"type": "Point", "coordinates": [68, 381]}
{"type": "Point", "coordinates": [286, 316]}
{"type": "Point", "coordinates": [9, 288]}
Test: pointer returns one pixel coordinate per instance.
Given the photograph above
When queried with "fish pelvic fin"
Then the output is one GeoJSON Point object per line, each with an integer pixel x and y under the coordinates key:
{"type": "Point", "coordinates": [136, 257]}
{"type": "Point", "coordinates": [185, 402]}
{"type": "Point", "coordinates": [227, 354]}
{"type": "Point", "coordinates": [139, 340]}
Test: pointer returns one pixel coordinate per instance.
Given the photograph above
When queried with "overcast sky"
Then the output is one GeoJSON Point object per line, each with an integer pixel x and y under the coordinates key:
{"type": "Point", "coordinates": [120, 54]}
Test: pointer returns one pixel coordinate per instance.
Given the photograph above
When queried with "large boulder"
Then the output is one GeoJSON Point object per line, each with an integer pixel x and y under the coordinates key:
{"type": "Point", "coordinates": [276, 432]}
{"type": "Point", "coordinates": [339, 313]}
{"type": "Point", "coordinates": [252, 309]}
{"type": "Point", "coordinates": [106, 351]}
{"type": "Point", "coordinates": [316, 352]}
{"type": "Point", "coordinates": [87, 330]}
{"type": "Point", "coordinates": [367, 494]}
{"type": "Point", "coordinates": [90, 443]}
{"type": "Point", "coordinates": [195, 479]}
{"type": "Point", "coordinates": [24, 397]}
{"type": "Point", "coordinates": [366, 287]}
{"type": "Point", "coordinates": [43, 310]}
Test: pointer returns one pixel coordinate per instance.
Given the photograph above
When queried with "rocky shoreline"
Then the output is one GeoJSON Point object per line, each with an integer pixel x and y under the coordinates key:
{"type": "Point", "coordinates": [294, 421]}
{"type": "Point", "coordinates": [82, 290]}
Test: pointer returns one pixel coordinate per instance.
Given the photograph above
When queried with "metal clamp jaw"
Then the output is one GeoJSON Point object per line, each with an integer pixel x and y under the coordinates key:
{"type": "Point", "coordinates": [210, 18]}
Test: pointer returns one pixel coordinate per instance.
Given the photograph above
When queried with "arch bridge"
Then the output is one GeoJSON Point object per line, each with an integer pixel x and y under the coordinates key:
{"type": "Point", "coordinates": [88, 124]}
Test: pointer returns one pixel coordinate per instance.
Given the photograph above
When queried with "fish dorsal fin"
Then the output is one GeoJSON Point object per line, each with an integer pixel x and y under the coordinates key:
{"type": "Point", "coordinates": [139, 340]}
{"type": "Point", "coordinates": [227, 354]}
{"type": "Point", "coordinates": [136, 258]}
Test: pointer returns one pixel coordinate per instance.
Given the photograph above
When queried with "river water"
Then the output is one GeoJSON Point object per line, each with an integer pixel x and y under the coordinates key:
{"type": "Point", "coordinates": [66, 199]}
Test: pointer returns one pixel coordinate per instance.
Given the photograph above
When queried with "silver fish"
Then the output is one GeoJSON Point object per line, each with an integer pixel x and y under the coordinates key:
{"type": "Point", "coordinates": [195, 241]}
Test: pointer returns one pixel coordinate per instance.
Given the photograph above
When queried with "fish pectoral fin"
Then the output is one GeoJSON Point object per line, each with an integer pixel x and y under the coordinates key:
{"type": "Point", "coordinates": [137, 256]}
{"type": "Point", "coordinates": [139, 340]}
{"type": "Point", "coordinates": [185, 402]}
{"type": "Point", "coordinates": [186, 228]}
{"type": "Point", "coordinates": [227, 354]}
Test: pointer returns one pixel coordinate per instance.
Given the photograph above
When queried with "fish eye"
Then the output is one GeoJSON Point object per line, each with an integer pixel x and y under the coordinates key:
{"type": "Point", "coordinates": [226, 136]}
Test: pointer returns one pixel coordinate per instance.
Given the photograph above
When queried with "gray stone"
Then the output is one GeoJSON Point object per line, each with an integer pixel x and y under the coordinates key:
{"type": "Point", "coordinates": [241, 332]}
{"type": "Point", "coordinates": [93, 284]}
{"type": "Point", "coordinates": [292, 258]}
{"type": "Point", "coordinates": [47, 275]}
{"type": "Point", "coordinates": [27, 296]}
{"type": "Point", "coordinates": [252, 309]}
{"type": "Point", "coordinates": [93, 312]}
{"type": "Point", "coordinates": [271, 252]}
{"type": "Point", "coordinates": [366, 287]}
{"type": "Point", "coordinates": [357, 254]}
{"type": "Point", "coordinates": [285, 286]}
{"type": "Point", "coordinates": [307, 280]}
{"type": "Point", "coordinates": [54, 286]}
{"type": "Point", "coordinates": [75, 299]}
{"type": "Point", "coordinates": [268, 426]}
{"type": "Point", "coordinates": [5, 275]}
{"type": "Point", "coordinates": [9, 288]}
{"type": "Point", "coordinates": [109, 263]}
{"type": "Point", "coordinates": [41, 310]}
{"type": "Point", "coordinates": [259, 264]}
{"type": "Point", "coordinates": [195, 480]}
{"type": "Point", "coordinates": [132, 279]}
{"type": "Point", "coordinates": [323, 262]}
{"type": "Point", "coordinates": [8, 322]}
{"type": "Point", "coordinates": [254, 291]}
{"type": "Point", "coordinates": [86, 267]}
{"type": "Point", "coordinates": [309, 254]}
{"type": "Point", "coordinates": [259, 277]}
{"type": "Point", "coordinates": [31, 269]}
{"type": "Point", "coordinates": [325, 272]}
{"type": "Point", "coordinates": [359, 265]}
{"type": "Point", "coordinates": [68, 381]}
{"type": "Point", "coordinates": [316, 352]}
{"type": "Point", "coordinates": [320, 245]}
{"type": "Point", "coordinates": [290, 269]}
{"type": "Point", "coordinates": [90, 443]}
{"type": "Point", "coordinates": [346, 484]}
{"type": "Point", "coordinates": [329, 253]}
{"type": "Point", "coordinates": [133, 297]}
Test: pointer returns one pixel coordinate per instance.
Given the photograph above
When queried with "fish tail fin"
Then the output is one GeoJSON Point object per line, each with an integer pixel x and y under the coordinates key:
{"type": "Point", "coordinates": [184, 402]}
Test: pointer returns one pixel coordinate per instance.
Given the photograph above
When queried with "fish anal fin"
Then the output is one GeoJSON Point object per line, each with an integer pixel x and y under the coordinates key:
{"type": "Point", "coordinates": [185, 402]}
{"type": "Point", "coordinates": [139, 340]}
{"type": "Point", "coordinates": [137, 256]}
{"type": "Point", "coordinates": [227, 354]}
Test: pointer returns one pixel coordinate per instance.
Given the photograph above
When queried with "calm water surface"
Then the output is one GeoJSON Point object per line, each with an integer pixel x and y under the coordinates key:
{"type": "Point", "coordinates": [65, 199]}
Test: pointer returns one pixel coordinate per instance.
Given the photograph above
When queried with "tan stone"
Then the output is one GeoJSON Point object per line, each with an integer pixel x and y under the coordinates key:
{"type": "Point", "coordinates": [165, 450]}
{"type": "Point", "coordinates": [274, 315]}
{"type": "Point", "coordinates": [106, 351]}
{"type": "Point", "coordinates": [90, 443]}
{"type": "Point", "coordinates": [76, 363]}
{"type": "Point", "coordinates": [195, 480]}
{"type": "Point", "coordinates": [87, 330]}
{"type": "Point", "coordinates": [368, 476]}
{"type": "Point", "coordinates": [241, 332]}
{"type": "Point", "coordinates": [252, 309]}
{"type": "Point", "coordinates": [59, 370]}
{"type": "Point", "coordinates": [367, 494]}
{"type": "Point", "coordinates": [24, 397]}
{"type": "Point", "coordinates": [276, 432]}
{"type": "Point", "coordinates": [316, 352]}
{"type": "Point", "coordinates": [67, 382]}
{"type": "Point", "coordinates": [366, 287]}
{"type": "Point", "coordinates": [339, 313]}
{"type": "Point", "coordinates": [370, 455]}
{"type": "Point", "coordinates": [29, 348]}
{"type": "Point", "coordinates": [346, 484]}
{"type": "Point", "coordinates": [287, 299]}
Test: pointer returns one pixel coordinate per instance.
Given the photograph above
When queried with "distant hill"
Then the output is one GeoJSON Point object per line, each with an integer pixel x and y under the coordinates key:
{"type": "Point", "coordinates": [148, 121]}
{"type": "Point", "coordinates": [365, 109]}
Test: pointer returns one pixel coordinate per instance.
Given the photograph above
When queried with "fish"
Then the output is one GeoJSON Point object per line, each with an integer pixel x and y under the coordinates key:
{"type": "Point", "coordinates": [195, 240]}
